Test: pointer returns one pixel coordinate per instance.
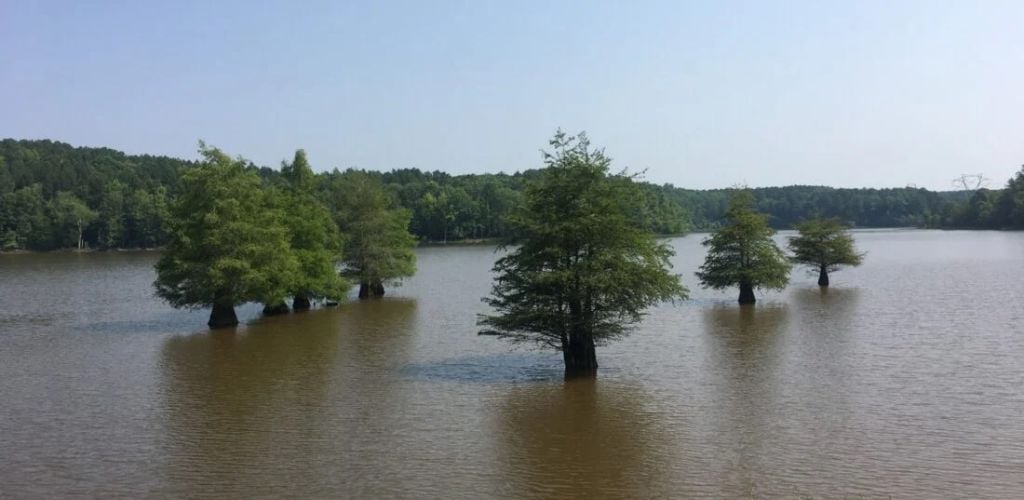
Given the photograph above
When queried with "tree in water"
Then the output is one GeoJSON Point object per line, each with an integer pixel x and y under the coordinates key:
{"type": "Point", "coordinates": [313, 237]}
{"type": "Point", "coordinates": [825, 245]}
{"type": "Point", "coordinates": [378, 248]}
{"type": "Point", "coordinates": [228, 244]}
{"type": "Point", "coordinates": [742, 253]}
{"type": "Point", "coordinates": [578, 273]}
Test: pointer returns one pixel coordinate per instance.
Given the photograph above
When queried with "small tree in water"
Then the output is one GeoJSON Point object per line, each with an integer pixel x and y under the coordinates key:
{"type": "Point", "coordinates": [742, 253]}
{"type": "Point", "coordinates": [378, 247]}
{"type": "Point", "coordinates": [825, 245]}
{"type": "Point", "coordinates": [579, 272]}
{"type": "Point", "coordinates": [227, 244]}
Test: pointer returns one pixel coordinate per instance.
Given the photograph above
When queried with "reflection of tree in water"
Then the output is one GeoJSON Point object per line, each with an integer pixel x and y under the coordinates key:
{"type": "Point", "coordinates": [582, 439]}
{"type": "Point", "coordinates": [826, 308]}
{"type": "Point", "coordinates": [825, 325]}
{"type": "Point", "coordinates": [745, 345]}
{"type": "Point", "coordinates": [256, 410]}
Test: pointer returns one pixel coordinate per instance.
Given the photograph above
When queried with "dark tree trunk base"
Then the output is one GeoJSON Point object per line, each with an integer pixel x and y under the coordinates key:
{"type": "Point", "coordinates": [823, 277]}
{"type": "Point", "coordinates": [276, 309]}
{"type": "Point", "coordinates": [301, 304]}
{"type": "Point", "coordinates": [331, 303]}
{"type": "Point", "coordinates": [580, 357]}
{"type": "Point", "coordinates": [222, 317]}
{"type": "Point", "coordinates": [371, 290]}
{"type": "Point", "coordinates": [747, 294]}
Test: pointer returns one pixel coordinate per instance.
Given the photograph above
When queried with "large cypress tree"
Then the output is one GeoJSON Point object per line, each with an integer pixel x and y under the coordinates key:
{"type": "Point", "coordinates": [228, 244]}
{"type": "Point", "coordinates": [578, 273]}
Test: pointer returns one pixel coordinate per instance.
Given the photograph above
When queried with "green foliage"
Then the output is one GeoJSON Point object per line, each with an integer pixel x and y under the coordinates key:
{"type": "Point", "coordinates": [443, 207]}
{"type": "Point", "coordinates": [378, 247]}
{"type": "Point", "coordinates": [25, 221]}
{"type": "Point", "coordinates": [129, 195]}
{"type": "Point", "coordinates": [70, 217]}
{"type": "Point", "coordinates": [577, 265]}
{"type": "Point", "coordinates": [313, 234]}
{"type": "Point", "coordinates": [1009, 211]}
{"type": "Point", "coordinates": [824, 244]}
{"type": "Point", "coordinates": [298, 174]}
{"type": "Point", "coordinates": [742, 252]}
{"type": "Point", "coordinates": [228, 244]}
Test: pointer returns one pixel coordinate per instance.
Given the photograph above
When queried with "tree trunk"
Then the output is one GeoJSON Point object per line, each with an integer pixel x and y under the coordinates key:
{"type": "Point", "coordinates": [222, 316]}
{"type": "Point", "coordinates": [747, 294]}
{"type": "Point", "coordinates": [371, 290]}
{"type": "Point", "coordinates": [301, 303]}
{"type": "Point", "coordinates": [580, 356]}
{"type": "Point", "coordinates": [275, 309]}
{"type": "Point", "coordinates": [823, 276]}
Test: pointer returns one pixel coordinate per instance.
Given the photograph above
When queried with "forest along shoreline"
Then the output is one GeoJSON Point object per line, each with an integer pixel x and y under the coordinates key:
{"type": "Point", "coordinates": [54, 195]}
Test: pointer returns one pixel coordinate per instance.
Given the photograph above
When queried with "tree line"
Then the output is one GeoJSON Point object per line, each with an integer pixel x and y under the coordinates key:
{"type": "Point", "coordinates": [54, 195]}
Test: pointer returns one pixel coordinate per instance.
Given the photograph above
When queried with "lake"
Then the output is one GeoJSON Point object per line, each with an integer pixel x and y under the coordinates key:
{"type": "Point", "coordinates": [906, 378]}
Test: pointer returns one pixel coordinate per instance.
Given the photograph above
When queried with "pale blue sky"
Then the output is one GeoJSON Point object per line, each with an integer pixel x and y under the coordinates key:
{"type": "Point", "coordinates": [711, 94]}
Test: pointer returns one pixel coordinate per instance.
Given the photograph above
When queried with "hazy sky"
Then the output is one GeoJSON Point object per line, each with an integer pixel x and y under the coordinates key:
{"type": "Point", "coordinates": [711, 94]}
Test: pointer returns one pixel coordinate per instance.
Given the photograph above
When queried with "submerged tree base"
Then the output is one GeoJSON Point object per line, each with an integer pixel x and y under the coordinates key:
{"type": "Point", "coordinates": [275, 309]}
{"type": "Point", "coordinates": [301, 304]}
{"type": "Point", "coordinates": [371, 290]}
{"type": "Point", "coordinates": [747, 294]}
{"type": "Point", "coordinates": [580, 357]}
{"type": "Point", "coordinates": [823, 278]}
{"type": "Point", "coordinates": [222, 317]}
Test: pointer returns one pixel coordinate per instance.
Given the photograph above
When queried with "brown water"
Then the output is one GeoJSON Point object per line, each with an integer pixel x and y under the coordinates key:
{"type": "Point", "coordinates": [905, 379]}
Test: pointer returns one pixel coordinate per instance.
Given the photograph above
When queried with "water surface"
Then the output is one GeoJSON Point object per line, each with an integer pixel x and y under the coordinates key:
{"type": "Point", "coordinates": [906, 379]}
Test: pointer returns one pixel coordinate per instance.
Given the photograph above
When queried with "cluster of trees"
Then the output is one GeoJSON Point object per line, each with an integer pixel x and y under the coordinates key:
{"type": "Point", "coordinates": [122, 201]}
{"type": "Point", "coordinates": [235, 238]}
{"type": "Point", "coordinates": [786, 206]}
{"type": "Point", "coordinates": [53, 195]}
{"type": "Point", "coordinates": [743, 253]}
{"type": "Point", "coordinates": [581, 270]}
{"type": "Point", "coordinates": [991, 209]}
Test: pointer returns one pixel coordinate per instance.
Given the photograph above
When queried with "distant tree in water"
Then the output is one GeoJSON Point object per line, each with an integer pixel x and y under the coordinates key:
{"type": "Point", "coordinates": [578, 272]}
{"type": "Point", "coordinates": [228, 243]}
{"type": "Point", "coordinates": [742, 252]}
{"type": "Point", "coordinates": [825, 245]}
{"type": "Point", "coordinates": [378, 248]}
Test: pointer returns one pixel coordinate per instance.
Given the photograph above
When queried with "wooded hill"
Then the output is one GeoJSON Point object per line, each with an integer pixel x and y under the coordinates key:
{"type": "Point", "coordinates": [54, 195]}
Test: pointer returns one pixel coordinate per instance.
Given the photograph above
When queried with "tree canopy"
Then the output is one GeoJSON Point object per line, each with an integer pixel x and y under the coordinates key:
{"type": "Point", "coordinates": [313, 237]}
{"type": "Point", "coordinates": [131, 195]}
{"type": "Point", "coordinates": [578, 272]}
{"type": "Point", "coordinates": [228, 244]}
{"type": "Point", "coordinates": [742, 252]}
{"type": "Point", "coordinates": [378, 246]}
{"type": "Point", "coordinates": [824, 245]}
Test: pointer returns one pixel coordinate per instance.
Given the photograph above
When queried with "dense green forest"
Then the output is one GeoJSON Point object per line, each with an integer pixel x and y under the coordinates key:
{"type": "Point", "coordinates": [54, 195]}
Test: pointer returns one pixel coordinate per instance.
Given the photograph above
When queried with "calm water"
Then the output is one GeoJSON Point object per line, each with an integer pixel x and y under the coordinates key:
{"type": "Point", "coordinates": [905, 379]}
